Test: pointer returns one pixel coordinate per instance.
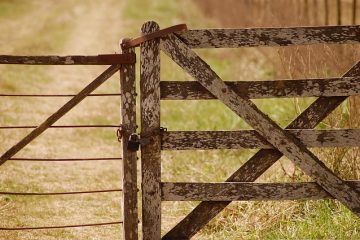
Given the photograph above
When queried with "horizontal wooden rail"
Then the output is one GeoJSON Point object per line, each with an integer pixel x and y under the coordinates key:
{"type": "Point", "coordinates": [272, 37]}
{"type": "Point", "coordinates": [329, 87]}
{"type": "Point", "coordinates": [244, 191]}
{"type": "Point", "coordinates": [188, 140]}
{"type": "Point", "coordinates": [106, 59]}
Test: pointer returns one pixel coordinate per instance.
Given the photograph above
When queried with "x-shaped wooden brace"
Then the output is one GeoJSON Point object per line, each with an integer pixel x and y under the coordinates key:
{"type": "Point", "coordinates": [285, 143]}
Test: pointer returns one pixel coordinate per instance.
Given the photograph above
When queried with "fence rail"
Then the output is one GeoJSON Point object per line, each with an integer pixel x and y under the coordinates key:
{"type": "Point", "coordinates": [106, 59]}
{"type": "Point", "coordinates": [191, 140]}
{"type": "Point", "coordinates": [270, 37]}
{"type": "Point", "coordinates": [243, 191]}
{"type": "Point", "coordinates": [320, 87]}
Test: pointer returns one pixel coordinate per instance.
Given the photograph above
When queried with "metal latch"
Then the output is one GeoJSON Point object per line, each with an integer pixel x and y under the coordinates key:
{"type": "Point", "coordinates": [135, 141]}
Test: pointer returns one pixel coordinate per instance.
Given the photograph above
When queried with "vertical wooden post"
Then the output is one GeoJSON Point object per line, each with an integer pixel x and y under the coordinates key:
{"type": "Point", "coordinates": [326, 10]}
{"type": "Point", "coordinates": [150, 126]}
{"type": "Point", "coordinates": [129, 174]}
{"type": "Point", "coordinates": [354, 6]}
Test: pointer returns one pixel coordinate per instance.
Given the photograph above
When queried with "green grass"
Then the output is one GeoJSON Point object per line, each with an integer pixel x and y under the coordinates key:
{"type": "Point", "coordinates": [10, 9]}
{"type": "Point", "coordinates": [249, 220]}
{"type": "Point", "coordinates": [320, 220]}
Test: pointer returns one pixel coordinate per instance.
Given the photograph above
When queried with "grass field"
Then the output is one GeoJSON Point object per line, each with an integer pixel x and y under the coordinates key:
{"type": "Point", "coordinates": [95, 27]}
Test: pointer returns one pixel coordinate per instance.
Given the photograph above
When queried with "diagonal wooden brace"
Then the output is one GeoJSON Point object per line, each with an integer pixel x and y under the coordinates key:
{"type": "Point", "coordinates": [256, 165]}
{"type": "Point", "coordinates": [59, 113]}
{"type": "Point", "coordinates": [283, 141]}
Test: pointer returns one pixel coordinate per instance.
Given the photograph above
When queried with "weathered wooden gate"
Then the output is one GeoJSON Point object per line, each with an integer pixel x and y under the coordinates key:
{"type": "Point", "coordinates": [273, 141]}
{"type": "Point", "coordinates": [125, 63]}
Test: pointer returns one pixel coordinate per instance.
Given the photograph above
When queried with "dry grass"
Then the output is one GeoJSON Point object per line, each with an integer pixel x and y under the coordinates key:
{"type": "Point", "coordinates": [67, 27]}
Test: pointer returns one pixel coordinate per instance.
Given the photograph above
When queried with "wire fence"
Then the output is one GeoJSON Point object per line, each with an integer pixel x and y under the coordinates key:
{"type": "Point", "coordinates": [62, 226]}
{"type": "Point", "coordinates": [59, 95]}
{"type": "Point", "coordinates": [61, 126]}
{"type": "Point", "coordinates": [63, 159]}
{"type": "Point", "coordinates": [59, 193]}
{"type": "Point", "coordinates": [48, 160]}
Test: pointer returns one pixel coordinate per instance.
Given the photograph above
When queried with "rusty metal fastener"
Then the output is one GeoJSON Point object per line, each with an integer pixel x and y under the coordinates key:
{"type": "Point", "coordinates": [128, 43]}
{"type": "Point", "coordinates": [135, 141]}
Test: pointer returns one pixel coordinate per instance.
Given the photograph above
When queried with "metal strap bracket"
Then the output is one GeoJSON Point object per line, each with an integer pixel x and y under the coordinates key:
{"type": "Point", "coordinates": [135, 42]}
{"type": "Point", "coordinates": [135, 141]}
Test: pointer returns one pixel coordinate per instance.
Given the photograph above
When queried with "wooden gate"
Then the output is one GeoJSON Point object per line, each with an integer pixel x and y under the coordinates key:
{"type": "Point", "coordinates": [271, 139]}
{"type": "Point", "coordinates": [125, 63]}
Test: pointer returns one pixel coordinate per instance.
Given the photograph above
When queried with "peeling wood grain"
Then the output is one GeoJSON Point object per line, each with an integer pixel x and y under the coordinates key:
{"type": "Point", "coordinates": [60, 113]}
{"type": "Point", "coordinates": [190, 140]}
{"type": "Point", "coordinates": [242, 191]}
{"type": "Point", "coordinates": [329, 87]}
{"type": "Point", "coordinates": [150, 124]}
{"type": "Point", "coordinates": [105, 59]}
{"type": "Point", "coordinates": [286, 143]}
{"type": "Point", "coordinates": [129, 163]}
{"type": "Point", "coordinates": [271, 37]}
{"type": "Point", "coordinates": [256, 165]}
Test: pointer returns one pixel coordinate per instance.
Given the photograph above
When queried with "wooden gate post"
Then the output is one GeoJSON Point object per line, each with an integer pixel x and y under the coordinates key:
{"type": "Point", "coordinates": [150, 126]}
{"type": "Point", "coordinates": [129, 169]}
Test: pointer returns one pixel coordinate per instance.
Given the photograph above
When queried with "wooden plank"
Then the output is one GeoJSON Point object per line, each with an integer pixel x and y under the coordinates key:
{"type": "Point", "coordinates": [150, 125]}
{"type": "Point", "coordinates": [280, 139]}
{"type": "Point", "coordinates": [190, 140]}
{"type": "Point", "coordinates": [60, 113]}
{"type": "Point", "coordinates": [329, 87]}
{"type": "Point", "coordinates": [105, 59]}
{"type": "Point", "coordinates": [245, 191]}
{"type": "Point", "coordinates": [270, 37]}
{"type": "Point", "coordinates": [129, 163]}
{"type": "Point", "coordinates": [257, 165]}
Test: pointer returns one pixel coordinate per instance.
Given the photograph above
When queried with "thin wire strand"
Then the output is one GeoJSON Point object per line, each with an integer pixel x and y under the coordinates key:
{"type": "Point", "coordinates": [64, 226]}
{"type": "Point", "coordinates": [59, 193]}
{"type": "Point", "coordinates": [63, 159]}
{"type": "Point", "coordinates": [61, 126]}
{"type": "Point", "coordinates": [60, 95]}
